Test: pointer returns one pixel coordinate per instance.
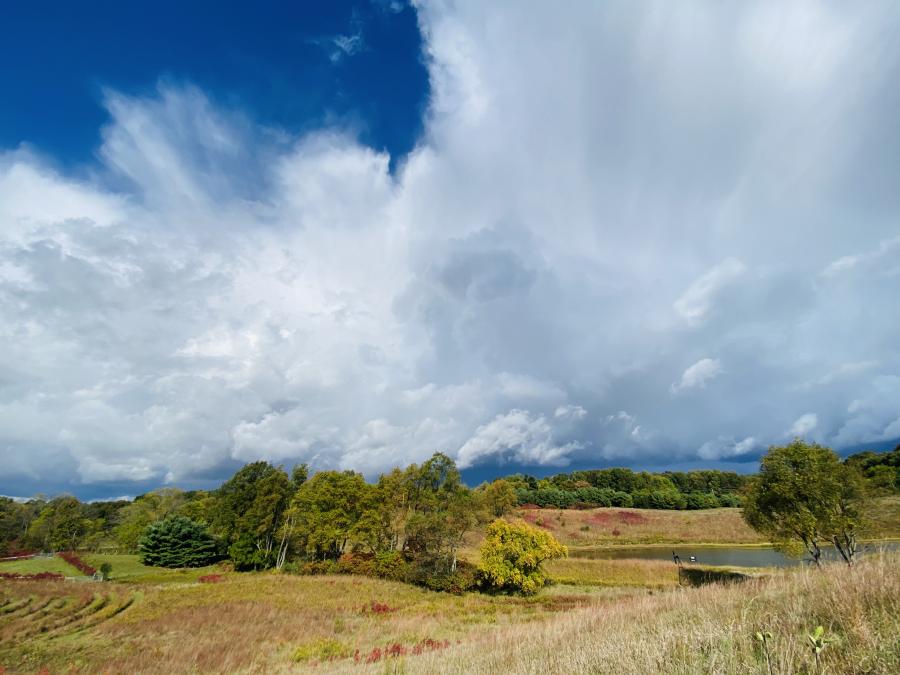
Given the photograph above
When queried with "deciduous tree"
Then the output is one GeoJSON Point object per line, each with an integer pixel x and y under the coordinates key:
{"type": "Point", "coordinates": [511, 556]}
{"type": "Point", "coordinates": [805, 497]}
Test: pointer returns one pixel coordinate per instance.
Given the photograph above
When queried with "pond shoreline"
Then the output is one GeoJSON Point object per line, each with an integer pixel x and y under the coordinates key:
{"type": "Point", "coordinates": [718, 555]}
{"type": "Point", "coordinates": [700, 544]}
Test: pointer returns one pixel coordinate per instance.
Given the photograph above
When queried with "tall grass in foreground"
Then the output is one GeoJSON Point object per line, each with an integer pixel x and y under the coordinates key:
{"type": "Point", "coordinates": [709, 630]}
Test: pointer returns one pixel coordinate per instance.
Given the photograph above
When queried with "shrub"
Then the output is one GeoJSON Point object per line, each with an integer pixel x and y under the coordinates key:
{"type": "Point", "coordinates": [659, 499]}
{"type": "Point", "coordinates": [211, 579]}
{"type": "Point", "coordinates": [390, 565]}
{"type": "Point", "coordinates": [72, 558]}
{"type": "Point", "coordinates": [376, 607]}
{"type": "Point", "coordinates": [730, 500]}
{"type": "Point", "coordinates": [39, 576]}
{"type": "Point", "coordinates": [177, 542]}
{"type": "Point", "coordinates": [702, 500]}
{"type": "Point", "coordinates": [463, 578]}
{"type": "Point", "coordinates": [323, 649]}
{"type": "Point", "coordinates": [511, 557]}
{"type": "Point", "coordinates": [631, 518]}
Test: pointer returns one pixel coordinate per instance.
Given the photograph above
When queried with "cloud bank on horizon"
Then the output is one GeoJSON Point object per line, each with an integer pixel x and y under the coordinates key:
{"type": "Point", "coordinates": [630, 231]}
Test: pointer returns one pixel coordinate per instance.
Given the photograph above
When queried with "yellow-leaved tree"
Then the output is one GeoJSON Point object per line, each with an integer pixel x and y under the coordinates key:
{"type": "Point", "coordinates": [511, 557]}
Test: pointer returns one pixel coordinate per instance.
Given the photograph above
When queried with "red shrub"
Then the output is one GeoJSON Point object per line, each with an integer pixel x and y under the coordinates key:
{"type": "Point", "coordinates": [72, 558]}
{"type": "Point", "coordinates": [396, 650]}
{"type": "Point", "coordinates": [616, 532]}
{"type": "Point", "coordinates": [211, 579]}
{"type": "Point", "coordinates": [429, 645]}
{"type": "Point", "coordinates": [378, 608]}
{"type": "Point", "coordinates": [601, 517]}
{"type": "Point", "coordinates": [40, 576]}
{"type": "Point", "coordinates": [631, 518]}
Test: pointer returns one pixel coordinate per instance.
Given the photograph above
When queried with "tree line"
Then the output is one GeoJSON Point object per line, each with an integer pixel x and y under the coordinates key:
{"type": "Point", "coordinates": [409, 524]}
{"type": "Point", "coordinates": [707, 489]}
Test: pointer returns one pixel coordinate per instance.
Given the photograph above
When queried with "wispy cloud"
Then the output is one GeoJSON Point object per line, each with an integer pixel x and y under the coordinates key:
{"type": "Point", "coordinates": [588, 226]}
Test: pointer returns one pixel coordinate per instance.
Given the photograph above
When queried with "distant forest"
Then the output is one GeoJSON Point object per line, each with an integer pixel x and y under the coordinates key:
{"type": "Point", "coordinates": [705, 489]}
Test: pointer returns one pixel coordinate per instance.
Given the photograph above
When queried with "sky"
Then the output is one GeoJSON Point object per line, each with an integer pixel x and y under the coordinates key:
{"type": "Point", "coordinates": [532, 236]}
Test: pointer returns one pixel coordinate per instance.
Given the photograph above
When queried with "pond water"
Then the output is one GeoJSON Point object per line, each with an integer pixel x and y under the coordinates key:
{"type": "Point", "coordinates": [738, 556]}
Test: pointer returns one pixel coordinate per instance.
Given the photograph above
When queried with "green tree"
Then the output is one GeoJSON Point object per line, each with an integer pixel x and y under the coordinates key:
{"type": "Point", "coordinates": [11, 526]}
{"type": "Point", "coordinates": [499, 498]}
{"type": "Point", "coordinates": [60, 526]}
{"type": "Point", "coordinates": [249, 514]}
{"type": "Point", "coordinates": [511, 557]}
{"type": "Point", "coordinates": [143, 511]}
{"type": "Point", "coordinates": [177, 542]}
{"type": "Point", "coordinates": [804, 497]}
{"type": "Point", "coordinates": [326, 511]}
{"type": "Point", "coordinates": [440, 511]}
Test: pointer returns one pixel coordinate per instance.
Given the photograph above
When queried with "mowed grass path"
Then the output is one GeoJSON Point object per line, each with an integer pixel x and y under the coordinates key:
{"type": "Point", "coordinates": [38, 565]}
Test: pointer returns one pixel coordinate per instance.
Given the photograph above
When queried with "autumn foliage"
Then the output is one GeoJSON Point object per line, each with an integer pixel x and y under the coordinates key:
{"type": "Point", "coordinates": [511, 557]}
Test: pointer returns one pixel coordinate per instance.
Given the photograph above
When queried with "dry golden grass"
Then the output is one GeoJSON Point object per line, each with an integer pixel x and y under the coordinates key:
{"type": "Point", "coordinates": [268, 623]}
{"type": "Point", "coordinates": [260, 622]}
{"type": "Point", "coordinates": [587, 572]}
{"type": "Point", "coordinates": [706, 630]}
{"type": "Point", "coordinates": [618, 526]}
{"type": "Point", "coordinates": [629, 527]}
{"type": "Point", "coordinates": [622, 616]}
{"type": "Point", "coordinates": [884, 518]}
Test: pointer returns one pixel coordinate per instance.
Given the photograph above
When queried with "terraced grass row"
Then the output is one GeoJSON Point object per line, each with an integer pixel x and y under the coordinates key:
{"type": "Point", "coordinates": [56, 610]}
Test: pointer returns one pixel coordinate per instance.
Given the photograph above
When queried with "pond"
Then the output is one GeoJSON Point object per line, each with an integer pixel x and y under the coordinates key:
{"type": "Point", "coordinates": [737, 556]}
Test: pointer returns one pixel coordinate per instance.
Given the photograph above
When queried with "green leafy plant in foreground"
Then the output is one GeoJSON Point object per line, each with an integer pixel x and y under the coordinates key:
{"type": "Point", "coordinates": [818, 642]}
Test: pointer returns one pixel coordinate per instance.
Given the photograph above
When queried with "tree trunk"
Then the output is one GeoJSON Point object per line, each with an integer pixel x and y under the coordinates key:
{"type": "Point", "coordinates": [845, 543]}
{"type": "Point", "coordinates": [283, 546]}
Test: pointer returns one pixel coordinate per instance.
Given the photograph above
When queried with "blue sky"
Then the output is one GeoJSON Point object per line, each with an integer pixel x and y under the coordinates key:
{"type": "Point", "coordinates": [533, 237]}
{"type": "Point", "coordinates": [292, 65]}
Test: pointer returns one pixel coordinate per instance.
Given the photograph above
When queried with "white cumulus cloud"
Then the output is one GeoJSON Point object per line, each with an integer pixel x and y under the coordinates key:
{"type": "Point", "coordinates": [603, 193]}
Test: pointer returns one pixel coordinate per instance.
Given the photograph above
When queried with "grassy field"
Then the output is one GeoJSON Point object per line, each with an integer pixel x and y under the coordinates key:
{"type": "Point", "coordinates": [632, 573]}
{"type": "Point", "coordinates": [708, 630]}
{"type": "Point", "coordinates": [38, 565]}
{"type": "Point", "coordinates": [630, 527]}
{"type": "Point", "coordinates": [128, 568]}
{"type": "Point", "coordinates": [616, 526]}
{"type": "Point", "coordinates": [885, 518]}
{"type": "Point", "coordinates": [269, 623]}
{"type": "Point", "coordinates": [623, 616]}
{"type": "Point", "coordinates": [250, 622]}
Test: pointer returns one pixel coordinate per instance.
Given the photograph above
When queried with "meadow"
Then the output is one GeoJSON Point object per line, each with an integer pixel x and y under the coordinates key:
{"type": "Point", "coordinates": [641, 527]}
{"type": "Point", "coordinates": [38, 565]}
{"type": "Point", "coordinates": [273, 623]}
{"type": "Point", "coordinates": [623, 616]}
{"type": "Point", "coordinates": [620, 526]}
